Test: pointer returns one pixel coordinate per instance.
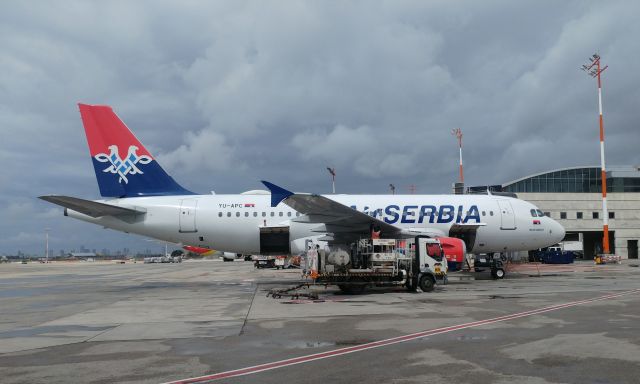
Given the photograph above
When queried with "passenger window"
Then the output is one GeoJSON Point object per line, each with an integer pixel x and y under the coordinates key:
{"type": "Point", "coordinates": [289, 214]}
{"type": "Point", "coordinates": [219, 214]}
{"type": "Point", "coordinates": [484, 213]}
{"type": "Point", "coordinates": [280, 213]}
{"type": "Point", "coordinates": [273, 214]}
{"type": "Point", "coordinates": [228, 214]}
{"type": "Point", "coordinates": [297, 214]}
{"type": "Point", "coordinates": [255, 214]}
{"type": "Point", "coordinates": [246, 214]}
{"type": "Point", "coordinates": [237, 214]}
{"type": "Point", "coordinates": [264, 214]}
{"type": "Point", "coordinates": [490, 213]}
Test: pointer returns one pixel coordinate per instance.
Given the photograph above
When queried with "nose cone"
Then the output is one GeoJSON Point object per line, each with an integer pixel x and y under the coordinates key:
{"type": "Point", "coordinates": [556, 231]}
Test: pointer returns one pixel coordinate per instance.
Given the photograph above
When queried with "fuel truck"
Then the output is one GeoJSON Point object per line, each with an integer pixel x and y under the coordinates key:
{"type": "Point", "coordinates": [418, 262]}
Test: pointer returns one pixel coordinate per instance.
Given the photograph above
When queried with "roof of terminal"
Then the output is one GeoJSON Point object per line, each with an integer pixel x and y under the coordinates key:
{"type": "Point", "coordinates": [578, 180]}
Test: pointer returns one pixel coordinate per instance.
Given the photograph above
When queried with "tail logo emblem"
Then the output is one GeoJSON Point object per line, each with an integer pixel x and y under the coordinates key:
{"type": "Point", "coordinates": [125, 167]}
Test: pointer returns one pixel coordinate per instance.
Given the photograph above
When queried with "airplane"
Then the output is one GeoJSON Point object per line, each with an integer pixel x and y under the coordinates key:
{"type": "Point", "coordinates": [140, 197]}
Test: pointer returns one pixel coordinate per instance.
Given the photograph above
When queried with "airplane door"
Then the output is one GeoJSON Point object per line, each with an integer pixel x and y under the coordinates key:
{"type": "Point", "coordinates": [507, 217]}
{"type": "Point", "coordinates": [188, 215]}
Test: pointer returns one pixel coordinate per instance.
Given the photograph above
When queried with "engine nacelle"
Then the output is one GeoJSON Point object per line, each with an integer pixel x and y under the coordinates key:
{"type": "Point", "coordinates": [454, 250]}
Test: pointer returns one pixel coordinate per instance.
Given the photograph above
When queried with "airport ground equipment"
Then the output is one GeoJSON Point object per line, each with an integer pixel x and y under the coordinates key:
{"type": "Point", "coordinates": [607, 259]}
{"type": "Point", "coordinates": [163, 259]}
{"type": "Point", "coordinates": [293, 292]}
{"type": "Point", "coordinates": [260, 261]}
{"type": "Point", "coordinates": [414, 262]}
{"type": "Point", "coordinates": [494, 262]}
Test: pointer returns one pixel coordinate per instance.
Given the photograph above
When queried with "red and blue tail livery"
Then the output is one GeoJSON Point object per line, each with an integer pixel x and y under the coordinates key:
{"type": "Point", "coordinates": [123, 166]}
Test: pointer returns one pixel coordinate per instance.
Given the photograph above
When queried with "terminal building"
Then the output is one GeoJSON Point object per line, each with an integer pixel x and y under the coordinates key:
{"type": "Point", "coordinates": [573, 197]}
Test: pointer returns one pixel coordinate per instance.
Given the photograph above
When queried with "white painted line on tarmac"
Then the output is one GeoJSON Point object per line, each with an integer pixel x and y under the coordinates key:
{"type": "Point", "coordinates": [391, 341]}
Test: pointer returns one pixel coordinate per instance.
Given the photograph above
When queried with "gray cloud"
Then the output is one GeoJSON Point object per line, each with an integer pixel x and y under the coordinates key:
{"type": "Point", "coordinates": [228, 93]}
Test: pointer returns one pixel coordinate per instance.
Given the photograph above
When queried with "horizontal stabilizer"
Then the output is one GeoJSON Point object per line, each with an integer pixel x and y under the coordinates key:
{"type": "Point", "coordinates": [91, 208]}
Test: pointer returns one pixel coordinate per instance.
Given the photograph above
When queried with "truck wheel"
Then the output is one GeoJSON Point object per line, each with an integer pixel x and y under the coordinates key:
{"type": "Point", "coordinates": [427, 283]}
{"type": "Point", "coordinates": [499, 273]}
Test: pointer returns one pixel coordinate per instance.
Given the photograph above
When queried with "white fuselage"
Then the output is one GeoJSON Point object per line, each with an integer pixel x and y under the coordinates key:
{"type": "Point", "coordinates": [232, 222]}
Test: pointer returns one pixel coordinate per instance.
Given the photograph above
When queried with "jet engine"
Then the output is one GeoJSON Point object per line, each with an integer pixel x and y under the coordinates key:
{"type": "Point", "coordinates": [454, 250]}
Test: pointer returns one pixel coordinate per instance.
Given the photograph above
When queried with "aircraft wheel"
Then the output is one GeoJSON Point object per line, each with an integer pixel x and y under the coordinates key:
{"type": "Point", "coordinates": [427, 284]}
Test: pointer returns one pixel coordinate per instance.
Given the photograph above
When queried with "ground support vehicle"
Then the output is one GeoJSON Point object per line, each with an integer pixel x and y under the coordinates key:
{"type": "Point", "coordinates": [260, 261]}
{"type": "Point", "coordinates": [414, 263]}
{"type": "Point", "coordinates": [162, 259]}
{"type": "Point", "coordinates": [495, 262]}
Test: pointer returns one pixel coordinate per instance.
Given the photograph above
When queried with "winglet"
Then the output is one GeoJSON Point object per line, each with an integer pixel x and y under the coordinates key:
{"type": "Point", "coordinates": [277, 193]}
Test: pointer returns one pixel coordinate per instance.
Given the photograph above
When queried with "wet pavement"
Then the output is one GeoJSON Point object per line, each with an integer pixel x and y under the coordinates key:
{"type": "Point", "coordinates": [147, 323]}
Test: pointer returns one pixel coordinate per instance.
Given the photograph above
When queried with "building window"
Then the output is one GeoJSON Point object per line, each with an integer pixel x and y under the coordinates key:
{"type": "Point", "coordinates": [563, 215]}
{"type": "Point", "coordinates": [548, 214]}
{"type": "Point", "coordinates": [612, 215]}
{"type": "Point", "coordinates": [578, 215]}
{"type": "Point", "coordinates": [596, 215]}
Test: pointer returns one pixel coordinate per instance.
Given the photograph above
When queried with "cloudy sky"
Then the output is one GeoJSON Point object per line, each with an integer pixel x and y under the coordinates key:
{"type": "Point", "coordinates": [225, 94]}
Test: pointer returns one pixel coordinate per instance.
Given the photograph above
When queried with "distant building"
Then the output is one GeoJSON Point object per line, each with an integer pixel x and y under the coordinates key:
{"type": "Point", "coordinates": [572, 196]}
{"type": "Point", "coordinates": [82, 255]}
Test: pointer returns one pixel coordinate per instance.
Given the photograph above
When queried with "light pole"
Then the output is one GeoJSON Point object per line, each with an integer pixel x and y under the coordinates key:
{"type": "Point", "coordinates": [393, 189]}
{"type": "Point", "coordinates": [332, 171]}
{"type": "Point", "coordinates": [46, 247]}
{"type": "Point", "coordinates": [594, 70]}
{"type": "Point", "coordinates": [457, 132]}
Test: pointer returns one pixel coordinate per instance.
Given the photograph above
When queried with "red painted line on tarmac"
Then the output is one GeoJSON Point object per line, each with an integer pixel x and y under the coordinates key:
{"type": "Point", "coordinates": [393, 340]}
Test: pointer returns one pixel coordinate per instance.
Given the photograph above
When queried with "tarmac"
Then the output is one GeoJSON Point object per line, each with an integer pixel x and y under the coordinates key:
{"type": "Point", "coordinates": [209, 321]}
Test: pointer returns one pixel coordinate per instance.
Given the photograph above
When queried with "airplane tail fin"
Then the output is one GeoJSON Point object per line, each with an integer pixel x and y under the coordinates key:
{"type": "Point", "coordinates": [123, 166]}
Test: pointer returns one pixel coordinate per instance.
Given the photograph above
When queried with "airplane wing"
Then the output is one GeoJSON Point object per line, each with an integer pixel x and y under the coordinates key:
{"type": "Point", "coordinates": [91, 208]}
{"type": "Point", "coordinates": [341, 221]}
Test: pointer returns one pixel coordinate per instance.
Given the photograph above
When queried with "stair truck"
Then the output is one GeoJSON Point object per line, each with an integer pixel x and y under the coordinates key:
{"type": "Point", "coordinates": [415, 263]}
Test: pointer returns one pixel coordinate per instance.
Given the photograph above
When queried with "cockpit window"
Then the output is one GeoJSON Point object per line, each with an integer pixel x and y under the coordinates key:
{"type": "Point", "coordinates": [534, 213]}
{"type": "Point", "coordinates": [540, 213]}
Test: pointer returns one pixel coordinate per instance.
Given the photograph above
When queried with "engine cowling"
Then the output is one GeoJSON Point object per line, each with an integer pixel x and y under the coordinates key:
{"type": "Point", "coordinates": [454, 250]}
